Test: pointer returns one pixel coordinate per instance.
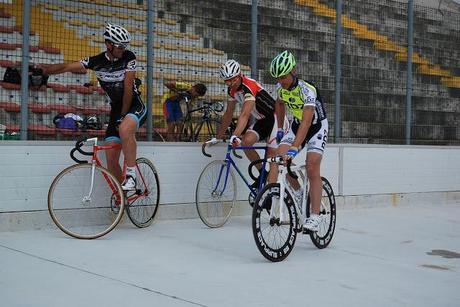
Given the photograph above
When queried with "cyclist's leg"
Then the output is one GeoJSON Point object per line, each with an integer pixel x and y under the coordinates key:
{"type": "Point", "coordinates": [273, 148]}
{"type": "Point", "coordinates": [113, 155]}
{"type": "Point", "coordinates": [169, 116]}
{"type": "Point", "coordinates": [315, 149]}
{"type": "Point", "coordinates": [260, 130]}
{"type": "Point", "coordinates": [127, 132]}
{"type": "Point", "coordinates": [178, 119]}
{"type": "Point", "coordinates": [135, 117]}
{"type": "Point", "coordinates": [285, 144]}
{"type": "Point", "coordinates": [249, 138]}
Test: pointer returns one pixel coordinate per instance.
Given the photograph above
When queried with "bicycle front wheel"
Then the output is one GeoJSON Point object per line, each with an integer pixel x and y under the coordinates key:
{"type": "Point", "coordinates": [86, 206]}
{"type": "Point", "coordinates": [274, 235]}
{"type": "Point", "coordinates": [215, 194]}
{"type": "Point", "coordinates": [142, 206]}
{"type": "Point", "coordinates": [328, 211]}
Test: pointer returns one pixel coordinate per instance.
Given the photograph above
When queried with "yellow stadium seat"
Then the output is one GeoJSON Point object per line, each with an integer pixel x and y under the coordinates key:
{"type": "Point", "coordinates": [193, 36]}
{"type": "Point", "coordinates": [52, 7]}
{"type": "Point", "coordinates": [105, 13]}
{"type": "Point", "coordinates": [75, 22]}
{"type": "Point", "coordinates": [139, 17]}
{"type": "Point", "coordinates": [70, 9]}
{"type": "Point", "coordinates": [87, 11]}
{"type": "Point", "coordinates": [169, 21]}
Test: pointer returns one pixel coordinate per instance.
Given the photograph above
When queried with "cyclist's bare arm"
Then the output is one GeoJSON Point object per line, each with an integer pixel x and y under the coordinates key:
{"type": "Point", "coordinates": [226, 119]}
{"type": "Point", "coordinates": [128, 91]}
{"type": "Point", "coordinates": [307, 117]}
{"type": "Point", "coordinates": [55, 69]}
{"type": "Point", "coordinates": [245, 113]}
{"type": "Point", "coordinates": [280, 111]}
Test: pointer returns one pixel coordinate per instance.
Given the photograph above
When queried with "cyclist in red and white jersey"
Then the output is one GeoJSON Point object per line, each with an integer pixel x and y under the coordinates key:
{"type": "Point", "coordinates": [256, 121]}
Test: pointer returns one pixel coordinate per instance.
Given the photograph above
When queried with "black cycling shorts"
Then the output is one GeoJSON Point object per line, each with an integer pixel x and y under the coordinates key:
{"type": "Point", "coordinates": [138, 112]}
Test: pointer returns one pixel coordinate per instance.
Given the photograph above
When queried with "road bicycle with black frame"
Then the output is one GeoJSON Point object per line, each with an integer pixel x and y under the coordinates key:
{"type": "Point", "coordinates": [277, 216]}
{"type": "Point", "coordinates": [216, 189]}
{"type": "Point", "coordinates": [86, 201]}
{"type": "Point", "coordinates": [200, 128]}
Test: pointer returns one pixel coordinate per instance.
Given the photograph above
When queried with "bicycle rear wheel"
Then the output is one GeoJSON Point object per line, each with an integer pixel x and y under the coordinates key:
{"type": "Point", "coordinates": [275, 239]}
{"type": "Point", "coordinates": [84, 210]}
{"type": "Point", "coordinates": [144, 206]}
{"type": "Point", "coordinates": [215, 194]}
{"type": "Point", "coordinates": [328, 211]}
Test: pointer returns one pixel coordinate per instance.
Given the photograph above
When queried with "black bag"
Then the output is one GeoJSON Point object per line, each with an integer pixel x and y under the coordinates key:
{"type": "Point", "coordinates": [36, 77]}
{"type": "Point", "coordinates": [12, 75]}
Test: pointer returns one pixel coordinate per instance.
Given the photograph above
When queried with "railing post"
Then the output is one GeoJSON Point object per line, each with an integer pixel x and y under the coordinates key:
{"type": "Point", "coordinates": [254, 39]}
{"type": "Point", "coordinates": [25, 69]}
{"type": "Point", "coordinates": [150, 22]}
{"type": "Point", "coordinates": [410, 49]}
{"type": "Point", "coordinates": [338, 71]}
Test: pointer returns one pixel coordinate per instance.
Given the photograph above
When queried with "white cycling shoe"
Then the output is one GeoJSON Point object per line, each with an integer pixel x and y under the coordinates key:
{"type": "Point", "coordinates": [312, 223]}
{"type": "Point", "coordinates": [129, 184]}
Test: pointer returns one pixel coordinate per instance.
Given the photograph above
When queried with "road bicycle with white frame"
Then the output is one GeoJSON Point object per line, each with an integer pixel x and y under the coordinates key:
{"type": "Point", "coordinates": [277, 216]}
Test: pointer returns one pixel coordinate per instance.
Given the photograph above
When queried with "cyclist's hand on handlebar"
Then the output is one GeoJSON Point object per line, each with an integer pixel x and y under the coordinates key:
{"type": "Point", "coordinates": [292, 152]}
{"type": "Point", "coordinates": [279, 135]}
{"type": "Point", "coordinates": [212, 141]}
{"type": "Point", "coordinates": [235, 141]}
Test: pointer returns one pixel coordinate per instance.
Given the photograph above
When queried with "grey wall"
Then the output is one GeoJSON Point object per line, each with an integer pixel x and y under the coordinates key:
{"type": "Point", "coordinates": [28, 168]}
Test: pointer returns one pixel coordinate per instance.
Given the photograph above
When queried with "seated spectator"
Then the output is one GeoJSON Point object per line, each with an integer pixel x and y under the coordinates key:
{"type": "Point", "coordinates": [171, 105]}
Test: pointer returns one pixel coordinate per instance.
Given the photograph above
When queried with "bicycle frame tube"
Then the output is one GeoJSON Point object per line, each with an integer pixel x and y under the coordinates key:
{"type": "Point", "coordinates": [87, 198]}
{"type": "Point", "coordinates": [96, 161]}
{"type": "Point", "coordinates": [253, 191]}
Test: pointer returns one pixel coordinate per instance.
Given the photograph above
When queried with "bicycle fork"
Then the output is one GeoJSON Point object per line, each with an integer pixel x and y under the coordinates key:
{"type": "Point", "coordinates": [87, 199]}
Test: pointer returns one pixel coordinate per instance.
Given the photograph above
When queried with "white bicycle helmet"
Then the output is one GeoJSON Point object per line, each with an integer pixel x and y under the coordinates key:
{"type": "Point", "coordinates": [229, 69]}
{"type": "Point", "coordinates": [117, 34]}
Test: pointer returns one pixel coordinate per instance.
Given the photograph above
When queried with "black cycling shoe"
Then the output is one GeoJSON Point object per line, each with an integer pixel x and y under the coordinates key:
{"type": "Point", "coordinates": [255, 185]}
{"type": "Point", "coordinates": [267, 203]}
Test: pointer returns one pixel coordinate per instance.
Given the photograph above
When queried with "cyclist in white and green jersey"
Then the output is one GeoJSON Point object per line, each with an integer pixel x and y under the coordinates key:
{"type": "Point", "coordinates": [309, 127]}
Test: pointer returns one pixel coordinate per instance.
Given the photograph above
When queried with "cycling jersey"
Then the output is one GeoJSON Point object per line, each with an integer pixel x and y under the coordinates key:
{"type": "Point", "coordinates": [251, 90]}
{"type": "Point", "coordinates": [180, 86]}
{"type": "Point", "coordinates": [111, 77]}
{"type": "Point", "coordinates": [111, 74]}
{"type": "Point", "coordinates": [300, 95]}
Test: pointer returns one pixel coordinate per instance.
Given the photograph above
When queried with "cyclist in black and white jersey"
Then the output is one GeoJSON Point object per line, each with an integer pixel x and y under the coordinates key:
{"type": "Point", "coordinates": [309, 127]}
{"type": "Point", "coordinates": [115, 70]}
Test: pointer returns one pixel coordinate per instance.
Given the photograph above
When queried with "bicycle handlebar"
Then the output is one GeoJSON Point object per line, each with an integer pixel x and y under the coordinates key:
{"type": "Point", "coordinates": [251, 167]}
{"type": "Point", "coordinates": [203, 150]}
{"type": "Point", "coordinates": [277, 160]}
{"type": "Point", "coordinates": [77, 147]}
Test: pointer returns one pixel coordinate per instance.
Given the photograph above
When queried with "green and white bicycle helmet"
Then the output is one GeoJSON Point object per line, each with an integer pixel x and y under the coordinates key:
{"type": "Point", "coordinates": [282, 64]}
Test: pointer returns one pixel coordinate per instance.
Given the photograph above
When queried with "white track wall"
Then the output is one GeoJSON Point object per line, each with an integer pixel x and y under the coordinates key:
{"type": "Point", "coordinates": [28, 168]}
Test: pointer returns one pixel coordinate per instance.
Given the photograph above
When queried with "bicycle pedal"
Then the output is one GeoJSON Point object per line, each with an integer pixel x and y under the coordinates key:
{"type": "Point", "coordinates": [306, 231]}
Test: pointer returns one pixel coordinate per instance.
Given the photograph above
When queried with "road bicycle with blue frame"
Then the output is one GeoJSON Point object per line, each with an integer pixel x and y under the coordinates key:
{"type": "Point", "coordinates": [216, 189]}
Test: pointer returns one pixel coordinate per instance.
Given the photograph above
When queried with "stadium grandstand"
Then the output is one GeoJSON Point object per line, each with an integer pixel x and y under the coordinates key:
{"type": "Point", "coordinates": [191, 39]}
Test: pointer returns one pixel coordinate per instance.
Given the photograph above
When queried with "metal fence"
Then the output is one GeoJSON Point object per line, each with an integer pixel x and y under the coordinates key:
{"type": "Point", "coordinates": [372, 103]}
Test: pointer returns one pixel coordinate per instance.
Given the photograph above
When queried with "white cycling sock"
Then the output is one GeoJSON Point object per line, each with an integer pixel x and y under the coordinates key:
{"type": "Point", "coordinates": [131, 171]}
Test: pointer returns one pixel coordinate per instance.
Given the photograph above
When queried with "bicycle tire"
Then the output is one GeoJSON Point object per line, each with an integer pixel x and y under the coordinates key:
{"type": "Point", "coordinates": [323, 236]}
{"type": "Point", "coordinates": [214, 209]}
{"type": "Point", "coordinates": [212, 126]}
{"type": "Point", "coordinates": [80, 218]}
{"type": "Point", "coordinates": [142, 210]}
{"type": "Point", "coordinates": [186, 133]}
{"type": "Point", "coordinates": [274, 240]}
